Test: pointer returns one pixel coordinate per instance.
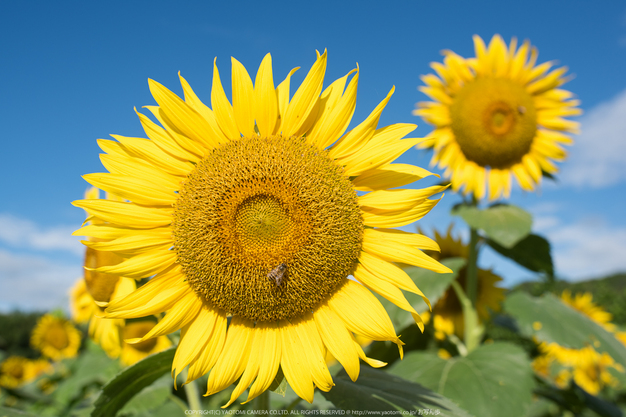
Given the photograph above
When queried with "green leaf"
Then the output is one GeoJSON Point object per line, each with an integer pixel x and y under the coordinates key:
{"type": "Point", "coordinates": [151, 397]}
{"type": "Point", "coordinates": [532, 252]}
{"type": "Point", "coordinates": [432, 284]}
{"type": "Point", "coordinates": [131, 381]}
{"type": "Point", "coordinates": [376, 390]}
{"type": "Point", "coordinates": [12, 412]}
{"type": "Point", "coordinates": [550, 320]}
{"type": "Point", "coordinates": [492, 381]}
{"type": "Point", "coordinates": [503, 223]}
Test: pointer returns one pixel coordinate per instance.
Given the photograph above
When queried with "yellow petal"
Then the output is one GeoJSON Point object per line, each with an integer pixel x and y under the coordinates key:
{"type": "Point", "coordinates": [133, 244]}
{"type": "Point", "coordinates": [337, 109]}
{"type": "Point", "coordinates": [143, 265]}
{"type": "Point", "coordinates": [294, 362]}
{"type": "Point", "coordinates": [149, 151]}
{"type": "Point", "coordinates": [266, 99]}
{"type": "Point", "coordinates": [305, 99]}
{"type": "Point", "coordinates": [389, 176]}
{"type": "Point", "coordinates": [137, 190]}
{"type": "Point", "coordinates": [399, 252]}
{"type": "Point", "coordinates": [181, 313]}
{"type": "Point", "coordinates": [337, 339]}
{"type": "Point", "coordinates": [243, 99]}
{"type": "Point", "coordinates": [182, 117]}
{"type": "Point", "coordinates": [379, 284]}
{"type": "Point", "coordinates": [138, 168]}
{"type": "Point", "coordinates": [270, 350]}
{"type": "Point", "coordinates": [397, 200]}
{"type": "Point", "coordinates": [373, 157]}
{"type": "Point", "coordinates": [192, 99]}
{"type": "Point", "coordinates": [282, 92]}
{"type": "Point", "coordinates": [312, 345]}
{"type": "Point", "coordinates": [381, 218]}
{"type": "Point", "coordinates": [211, 349]}
{"type": "Point", "coordinates": [400, 236]}
{"type": "Point", "coordinates": [221, 106]}
{"type": "Point", "coordinates": [160, 137]}
{"type": "Point", "coordinates": [362, 313]}
{"type": "Point", "coordinates": [355, 139]}
{"type": "Point", "coordinates": [233, 357]}
{"type": "Point", "coordinates": [118, 212]}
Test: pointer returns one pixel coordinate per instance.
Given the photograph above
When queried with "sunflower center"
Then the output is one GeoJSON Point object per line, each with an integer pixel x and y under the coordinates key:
{"type": "Point", "coordinates": [494, 121]}
{"type": "Point", "coordinates": [57, 337]}
{"type": "Point", "coordinates": [267, 227]}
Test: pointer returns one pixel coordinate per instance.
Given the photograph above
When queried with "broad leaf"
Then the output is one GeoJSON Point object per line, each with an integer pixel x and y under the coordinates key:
{"type": "Point", "coordinates": [502, 223]}
{"type": "Point", "coordinates": [492, 381]}
{"type": "Point", "coordinates": [376, 390]}
{"type": "Point", "coordinates": [131, 381]}
{"type": "Point", "coordinates": [550, 320]}
{"type": "Point", "coordinates": [532, 252]}
{"type": "Point", "coordinates": [151, 397]}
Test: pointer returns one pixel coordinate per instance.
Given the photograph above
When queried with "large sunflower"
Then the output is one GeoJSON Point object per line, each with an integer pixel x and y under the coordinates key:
{"type": "Point", "coordinates": [55, 337]}
{"type": "Point", "coordinates": [448, 312]}
{"type": "Point", "coordinates": [497, 115]}
{"type": "Point", "coordinates": [247, 218]}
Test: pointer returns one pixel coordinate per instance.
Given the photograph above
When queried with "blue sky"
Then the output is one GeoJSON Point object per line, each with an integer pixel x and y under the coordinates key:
{"type": "Point", "coordinates": [73, 71]}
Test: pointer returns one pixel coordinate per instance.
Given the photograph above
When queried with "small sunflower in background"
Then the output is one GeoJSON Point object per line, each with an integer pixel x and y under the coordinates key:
{"type": "Point", "coordinates": [55, 337]}
{"type": "Point", "coordinates": [497, 115]}
{"type": "Point", "coordinates": [16, 371]}
{"type": "Point", "coordinates": [588, 368]}
{"type": "Point", "coordinates": [447, 314]}
{"type": "Point", "coordinates": [96, 289]}
{"type": "Point", "coordinates": [583, 303]}
{"type": "Point", "coordinates": [247, 218]}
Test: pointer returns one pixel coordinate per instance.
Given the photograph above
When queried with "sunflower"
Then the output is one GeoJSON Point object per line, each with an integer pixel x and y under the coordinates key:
{"type": "Point", "coordinates": [16, 371]}
{"type": "Point", "coordinates": [97, 288]}
{"type": "Point", "coordinates": [583, 303]}
{"type": "Point", "coordinates": [588, 368]}
{"type": "Point", "coordinates": [495, 115]}
{"type": "Point", "coordinates": [55, 337]}
{"type": "Point", "coordinates": [247, 219]}
{"type": "Point", "coordinates": [133, 353]}
{"type": "Point", "coordinates": [448, 312]}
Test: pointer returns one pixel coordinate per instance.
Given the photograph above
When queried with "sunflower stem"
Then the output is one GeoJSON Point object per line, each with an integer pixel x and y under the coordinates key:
{"type": "Point", "coordinates": [472, 267]}
{"type": "Point", "coordinates": [263, 403]}
{"type": "Point", "coordinates": [193, 396]}
{"type": "Point", "coordinates": [473, 329]}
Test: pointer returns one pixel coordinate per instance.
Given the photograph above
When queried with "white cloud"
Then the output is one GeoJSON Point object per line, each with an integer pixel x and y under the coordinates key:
{"type": "Point", "coordinates": [598, 157]}
{"type": "Point", "coordinates": [586, 249]}
{"type": "Point", "coordinates": [35, 283]}
{"type": "Point", "coordinates": [22, 233]}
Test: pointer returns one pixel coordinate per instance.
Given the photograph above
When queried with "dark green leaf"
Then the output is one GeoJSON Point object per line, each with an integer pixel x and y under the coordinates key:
{"type": "Point", "coordinates": [532, 252]}
{"type": "Point", "coordinates": [492, 381]}
{"type": "Point", "coordinates": [504, 224]}
{"type": "Point", "coordinates": [550, 320]}
{"type": "Point", "coordinates": [376, 390]}
{"type": "Point", "coordinates": [131, 381]}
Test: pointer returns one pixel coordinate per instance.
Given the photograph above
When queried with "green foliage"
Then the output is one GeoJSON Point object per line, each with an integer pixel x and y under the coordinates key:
{"type": "Point", "coordinates": [376, 390]}
{"type": "Point", "coordinates": [608, 292]}
{"type": "Point", "coordinates": [548, 319]}
{"type": "Point", "coordinates": [12, 412]}
{"type": "Point", "coordinates": [15, 329]}
{"type": "Point", "coordinates": [502, 223]}
{"type": "Point", "coordinates": [532, 252]}
{"type": "Point", "coordinates": [492, 381]}
{"type": "Point", "coordinates": [131, 381]}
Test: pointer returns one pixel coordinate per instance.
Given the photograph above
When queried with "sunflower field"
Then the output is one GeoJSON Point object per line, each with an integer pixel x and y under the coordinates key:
{"type": "Point", "coordinates": [262, 254]}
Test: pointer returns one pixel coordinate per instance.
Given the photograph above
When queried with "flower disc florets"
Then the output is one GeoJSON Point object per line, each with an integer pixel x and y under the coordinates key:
{"type": "Point", "coordinates": [254, 204]}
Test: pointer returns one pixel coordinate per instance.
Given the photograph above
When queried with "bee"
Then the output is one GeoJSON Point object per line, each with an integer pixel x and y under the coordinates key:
{"type": "Point", "coordinates": [277, 274]}
{"type": "Point", "coordinates": [521, 110]}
